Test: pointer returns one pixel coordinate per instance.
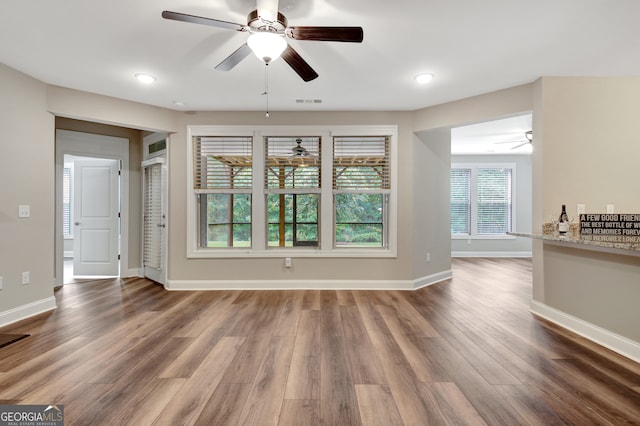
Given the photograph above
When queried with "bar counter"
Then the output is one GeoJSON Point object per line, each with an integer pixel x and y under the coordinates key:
{"type": "Point", "coordinates": [625, 245]}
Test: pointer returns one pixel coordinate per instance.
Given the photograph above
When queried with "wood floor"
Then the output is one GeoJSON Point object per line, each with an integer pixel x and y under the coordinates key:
{"type": "Point", "coordinates": [465, 351]}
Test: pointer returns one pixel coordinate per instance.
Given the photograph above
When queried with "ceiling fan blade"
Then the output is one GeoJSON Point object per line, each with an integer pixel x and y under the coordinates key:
{"type": "Point", "coordinates": [177, 16]}
{"type": "Point", "coordinates": [234, 59]}
{"type": "Point", "coordinates": [299, 65]}
{"type": "Point", "coordinates": [344, 34]}
{"type": "Point", "coordinates": [267, 9]}
{"type": "Point", "coordinates": [518, 146]}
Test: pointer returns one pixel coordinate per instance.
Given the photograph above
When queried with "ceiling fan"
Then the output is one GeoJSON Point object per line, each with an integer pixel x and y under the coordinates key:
{"type": "Point", "coordinates": [528, 139]}
{"type": "Point", "coordinates": [269, 31]}
{"type": "Point", "coordinates": [300, 151]}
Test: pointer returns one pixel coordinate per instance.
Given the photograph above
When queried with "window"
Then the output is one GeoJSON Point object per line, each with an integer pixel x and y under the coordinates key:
{"type": "Point", "coordinates": [292, 180]}
{"type": "Point", "coordinates": [461, 201]}
{"type": "Point", "coordinates": [66, 201]}
{"type": "Point", "coordinates": [264, 191]}
{"type": "Point", "coordinates": [481, 200]}
{"type": "Point", "coordinates": [361, 183]}
{"type": "Point", "coordinates": [222, 177]}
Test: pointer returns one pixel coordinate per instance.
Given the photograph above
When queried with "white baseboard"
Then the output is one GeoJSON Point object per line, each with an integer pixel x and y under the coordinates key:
{"type": "Point", "coordinates": [26, 311]}
{"type": "Point", "coordinates": [490, 254]}
{"type": "Point", "coordinates": [307, 284]}
{"type": "Point", "coordinates": [135, 272]}
{"type": "Point", "coordinates": [432, 279]}
{"type": "Point", "coordinates": [619, 344]}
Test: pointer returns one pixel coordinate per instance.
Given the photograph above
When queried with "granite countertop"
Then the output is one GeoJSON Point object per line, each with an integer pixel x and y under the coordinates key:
{"type": "Point", "coordinates": [618, 244]}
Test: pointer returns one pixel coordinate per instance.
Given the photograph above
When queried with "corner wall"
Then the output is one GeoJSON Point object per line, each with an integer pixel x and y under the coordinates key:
{"type": "Point", "coordinates": [26, 170]}
{"type": "Point", "coordinates": [587, 150]}
{"type": "Point", "coordinates": [431, 187]}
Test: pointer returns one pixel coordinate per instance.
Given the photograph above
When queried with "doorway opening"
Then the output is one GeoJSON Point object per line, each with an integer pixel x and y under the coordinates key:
{"type": "Point", "coordinates": [92, 208]}
{"type": "Point", "coordinates": [91, 201]}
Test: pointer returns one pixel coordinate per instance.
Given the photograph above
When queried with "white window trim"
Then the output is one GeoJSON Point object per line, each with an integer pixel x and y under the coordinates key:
{"type": "Point", "coordinates": [474, 225]}
{"type": "Point", "coordinates": [326, 217]}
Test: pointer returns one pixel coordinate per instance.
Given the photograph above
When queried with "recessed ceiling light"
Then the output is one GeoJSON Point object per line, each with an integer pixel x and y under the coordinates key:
{"type": "Point", "coordinates": [424, 78]}
{"type": "Point", "coordinates": [145, 78]}
{"type": "Point", "coordinates": [179, 104]}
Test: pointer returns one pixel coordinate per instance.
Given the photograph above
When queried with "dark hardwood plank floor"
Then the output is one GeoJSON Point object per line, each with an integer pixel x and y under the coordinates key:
{"type": "Point", "coordinates": [466, 351]}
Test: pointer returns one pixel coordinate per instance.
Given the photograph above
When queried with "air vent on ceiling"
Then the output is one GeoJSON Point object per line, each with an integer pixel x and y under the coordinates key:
{"type": "Point", "coordinates": [308, 101]}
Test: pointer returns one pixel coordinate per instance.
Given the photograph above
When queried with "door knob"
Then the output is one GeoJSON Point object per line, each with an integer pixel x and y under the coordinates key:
{"type": "Point", "coordinates": [76, 223]}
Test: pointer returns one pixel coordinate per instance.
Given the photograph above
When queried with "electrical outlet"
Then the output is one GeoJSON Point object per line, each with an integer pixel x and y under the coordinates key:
{"type": "Point", "coordinates": [611, 209]}
{"type": "Point", "coordinates": [287, 262]}
{"type": "Point", "coordinates": [581, 209]}
{"type": "Point", "coordinates": [428, 257]}
{"type": "Point", "coordinates": [26, 277]}
{"type": "Point", "coordinates": [1, 283]}
{"type": "Point", "coordinates": [24, 211]}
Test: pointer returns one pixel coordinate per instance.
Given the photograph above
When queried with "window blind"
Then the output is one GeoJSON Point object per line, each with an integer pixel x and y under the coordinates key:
{"type": "Point", "coordinates": [460, 201]}
{"type": "Point", "coordinates": [66, 201]}
{"type": "Point", "coordinates": [286, 171]}
{"type": "Point", "coordinates": [222, 163]}
{"type": "Point", "coordinates": [494, 201]}
{"type": "Point", "coordinates": [152, 248]}
{"type": "Point", "coordinates": [361, 163]}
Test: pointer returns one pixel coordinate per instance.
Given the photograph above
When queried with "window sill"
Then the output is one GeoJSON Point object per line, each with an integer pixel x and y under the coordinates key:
{"type": "Point", "coordinates": [298, 253]}
{"type": "Point", "coordinates": [482, 237]}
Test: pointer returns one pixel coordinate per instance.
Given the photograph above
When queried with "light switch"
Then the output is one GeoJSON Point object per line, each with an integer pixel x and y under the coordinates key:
{"type": "Point", "coordinates": [24, 211]}
{"type": "Point", "coordinates": [610, 209]}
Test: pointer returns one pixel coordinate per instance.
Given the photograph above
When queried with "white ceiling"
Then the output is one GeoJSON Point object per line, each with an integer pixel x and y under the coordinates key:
{"type": "Point", "coordinates": [472, 46]}
{"type": "Point", "coordinates": [504, 136]}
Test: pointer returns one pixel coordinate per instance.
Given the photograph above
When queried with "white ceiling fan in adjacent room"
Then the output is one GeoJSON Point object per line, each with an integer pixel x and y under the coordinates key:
{"type": "Point", "coordinates": [512, 135]}
{"type": "Point", "coordinates": [527, 138]}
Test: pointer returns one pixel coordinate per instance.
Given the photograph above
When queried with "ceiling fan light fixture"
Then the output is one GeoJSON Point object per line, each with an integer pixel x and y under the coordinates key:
{"type": "Point", "coordinates": [424, 78]}
{"type": "Point", "coordinates": [529, 135]}
{"type": "Point", "coordinates": [267, 46]}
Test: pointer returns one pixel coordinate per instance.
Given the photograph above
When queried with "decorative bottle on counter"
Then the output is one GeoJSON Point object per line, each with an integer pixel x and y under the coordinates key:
{"type": "Point", "coordinates": [563, 221]}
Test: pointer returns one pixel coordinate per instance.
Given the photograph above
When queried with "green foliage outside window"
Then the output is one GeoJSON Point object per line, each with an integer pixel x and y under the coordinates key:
{"type": "Point", "coordinates": [300, 219]}
{"type": "Point", "coordinates": [228, 227]}
{"type": "Point", "coordinates": [359, 219]}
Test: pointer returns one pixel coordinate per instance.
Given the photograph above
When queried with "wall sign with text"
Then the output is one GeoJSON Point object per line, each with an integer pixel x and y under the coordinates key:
{"type": "Point", "coordinates": [610, 224]}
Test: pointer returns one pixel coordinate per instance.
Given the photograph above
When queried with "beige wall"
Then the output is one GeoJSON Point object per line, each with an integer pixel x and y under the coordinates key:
{"type": "Point", "coordinates": [182, 268]}
{"type": "Point", "coordinates": [103, 109]}
{"type": "Point", "coordinates": [600, 288]}
{"type": "Point", "coordinates": [590, 144]}
{"type": "Point", "coordinates": [431, 229]}
{"type": "Point", "coordinates": [26, 171]}
{"type": "Point", "coordinates": [586, 150]}
{"type": "Point", "coordinates": [502, 103]}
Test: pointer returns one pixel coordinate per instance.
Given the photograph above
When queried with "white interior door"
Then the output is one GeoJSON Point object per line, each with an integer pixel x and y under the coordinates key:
{"type": "Point", "coordinates": [96, 233]}
{"type": "Point", "coordinates": [155, 220]}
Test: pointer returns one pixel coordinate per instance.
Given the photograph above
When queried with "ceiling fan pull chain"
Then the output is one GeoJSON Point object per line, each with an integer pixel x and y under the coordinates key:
{"type": "Point", "coordinates": [266, 87]}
